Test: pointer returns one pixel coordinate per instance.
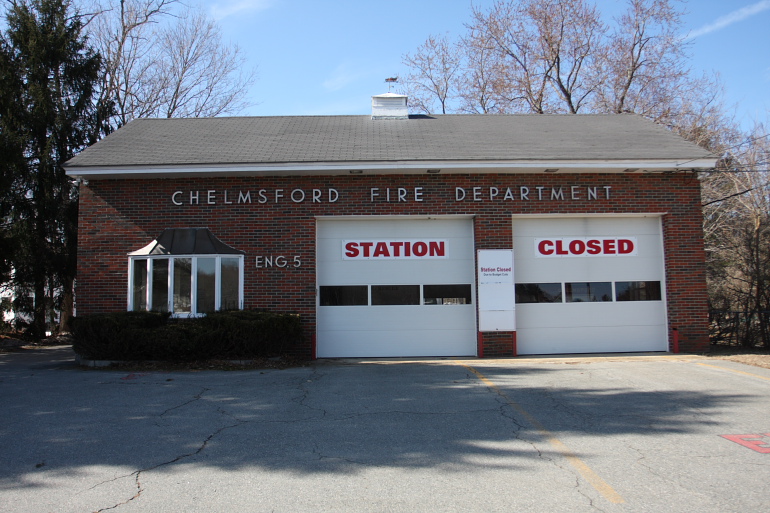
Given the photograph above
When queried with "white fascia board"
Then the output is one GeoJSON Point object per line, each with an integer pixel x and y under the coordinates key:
{"type": "Point", "coordinates": [609, 215]}
{"type": "Point", "coordinates": [391, 167]}
{"type": "Point", "coordinates": [393, 216]}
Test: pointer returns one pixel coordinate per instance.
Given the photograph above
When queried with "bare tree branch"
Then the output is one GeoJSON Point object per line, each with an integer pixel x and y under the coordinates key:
{"type": "Point", "coordinates": [433, 78]}
{"type": "Point", "coordinates": [163, 59]}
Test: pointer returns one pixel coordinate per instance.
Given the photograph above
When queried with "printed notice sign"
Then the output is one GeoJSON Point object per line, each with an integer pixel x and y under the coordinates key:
{"type": "Point", "coordinates": [495, 266]}
{"type": "Point", "coordinates": [497, 296]}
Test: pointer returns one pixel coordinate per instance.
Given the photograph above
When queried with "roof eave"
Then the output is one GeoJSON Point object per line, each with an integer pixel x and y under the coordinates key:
{"type": "Point", "coordinates": [391, 167]}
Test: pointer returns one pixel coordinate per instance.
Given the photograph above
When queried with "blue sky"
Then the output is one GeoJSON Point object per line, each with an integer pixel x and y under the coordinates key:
{"type": "Point", "coordinates": [330, 57]}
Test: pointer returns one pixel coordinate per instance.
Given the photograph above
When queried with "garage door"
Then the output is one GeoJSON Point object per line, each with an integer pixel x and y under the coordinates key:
{"type": "Point", "coordinates": [395, 287]}
{"type": "Point", "coordinates": [586, 285]}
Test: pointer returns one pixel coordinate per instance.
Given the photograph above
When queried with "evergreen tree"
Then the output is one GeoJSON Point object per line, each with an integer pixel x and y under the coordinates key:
{"type": "Point", "coordinates": [48, 77]}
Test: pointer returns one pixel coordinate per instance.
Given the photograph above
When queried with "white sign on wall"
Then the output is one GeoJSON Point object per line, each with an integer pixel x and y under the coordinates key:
{"type": "Point", "coordinates": [406, 248]}
{"type": "Point", "coordinates": [585, 247]}
{"type": "Point", "coordinates": [497, 293]}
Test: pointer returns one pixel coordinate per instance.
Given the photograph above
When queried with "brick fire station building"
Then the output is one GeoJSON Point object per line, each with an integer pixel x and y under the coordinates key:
{"type": "Point", "coordinates": [399, 235]}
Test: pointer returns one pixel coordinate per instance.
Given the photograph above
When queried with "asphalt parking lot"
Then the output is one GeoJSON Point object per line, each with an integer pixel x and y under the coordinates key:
{"type": "Point", "coordinates": [632, 433]}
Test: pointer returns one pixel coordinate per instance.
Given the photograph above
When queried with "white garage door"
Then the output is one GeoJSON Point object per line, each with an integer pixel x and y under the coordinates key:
{"type": "Point", "coordinates": [590, 284]}
{"type": "Point", "coordinates": [395, 287]}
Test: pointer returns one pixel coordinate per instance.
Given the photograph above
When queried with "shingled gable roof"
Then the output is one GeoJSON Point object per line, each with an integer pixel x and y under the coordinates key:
{"type": "Point", "coordinates": [294, 143]}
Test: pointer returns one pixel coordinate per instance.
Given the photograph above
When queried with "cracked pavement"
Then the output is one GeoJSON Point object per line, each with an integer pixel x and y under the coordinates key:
{"type": "Point", "coordinates": [384, 435]}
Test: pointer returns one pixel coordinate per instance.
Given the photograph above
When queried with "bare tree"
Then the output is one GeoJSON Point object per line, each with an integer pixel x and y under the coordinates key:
{"type": "Point", "coordinates": [737, 228]}
{"type": "Point", "coordinates": [163, 59]}
{"type": "Point", "coordinates": [432, 80]}
{"type": "Point", "coordinates": [644, 59]}
{"type": "Point", "coordinates": [549, 49]}
{"type": "Point", "coordinates": [483, 86]}
{"type": "Point", "coordinates": [550, 56]}
{"type": "Point", "coordinates": [122, 32]}
{"type": "Point", "coordinates": [648, 73]}
{"type": "Point", "coordinates": [197, 75]}
{"type": "Point", "coordinates": [570, 39]}
{"type": "Point", "coordinates": [506, 29]}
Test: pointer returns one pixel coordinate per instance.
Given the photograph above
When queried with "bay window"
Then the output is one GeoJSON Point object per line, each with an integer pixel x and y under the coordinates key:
{"type": "Point", "coordinates": [187, 272]}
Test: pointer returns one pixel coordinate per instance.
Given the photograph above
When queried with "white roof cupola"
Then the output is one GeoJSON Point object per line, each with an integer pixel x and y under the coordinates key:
{"type": "Point", "coordinates": [390, 106]}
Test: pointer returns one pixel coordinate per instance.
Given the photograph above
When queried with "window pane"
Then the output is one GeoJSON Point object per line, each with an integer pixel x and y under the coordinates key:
{"type": "Point", "coordinates": [637, 291]}
{"type": "Point", "coordinates": [594, 292]}
{"type": "Point", "coordinates": [160, 285]}
{"type": "Point", "coordinates": [395, 294]}
{"type": "Point", "coordinates": [182, 285]}
{"type": "Point", "coordinates": [345, 295]}
{"type": "Point", "coordinates": [139, 287]}
{"type": "Point", "coordinates": [230, 285]}
{"type": "Point", "coordinates": [206, 286]}
{"type": "Point", "coordinates": [446, 294]}
{"type": "Point", "coordinates": [538, 293]}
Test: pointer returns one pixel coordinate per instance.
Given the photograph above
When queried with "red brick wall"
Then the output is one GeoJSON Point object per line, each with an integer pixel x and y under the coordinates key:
{"type": "Point", "coordinates": [120, 216]}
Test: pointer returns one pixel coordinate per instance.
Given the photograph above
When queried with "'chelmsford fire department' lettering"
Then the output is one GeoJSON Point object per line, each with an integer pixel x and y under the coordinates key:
{"type": "Point", "coordinates": [412, 248]}
{"type": "Point", "coordinates": [585, 246]}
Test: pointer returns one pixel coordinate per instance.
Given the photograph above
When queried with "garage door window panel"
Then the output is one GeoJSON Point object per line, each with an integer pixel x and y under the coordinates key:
{"type": "Point", "coordinates": [538, 293]}
{"type": "Point", "coordinates": [638, 291]}
{"type": "Point", "coordinates": [344, 295]}
{"type": "Point", "coordinates": [447, 294]}
{"type": "Point", "coordinates": [592, 292]}
{"type": "Point", "coordinates": [384, 295]}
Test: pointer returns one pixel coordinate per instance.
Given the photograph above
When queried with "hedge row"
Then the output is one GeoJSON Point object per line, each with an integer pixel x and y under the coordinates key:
{"type": "Point", "coordinates": [154, 336]}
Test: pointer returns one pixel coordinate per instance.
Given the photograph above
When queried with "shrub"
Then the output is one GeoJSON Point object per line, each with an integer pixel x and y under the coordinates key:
{"type": "Point", "coordinates": [105, 336]}
{"type": "Point", "coordinates": [152, 336]}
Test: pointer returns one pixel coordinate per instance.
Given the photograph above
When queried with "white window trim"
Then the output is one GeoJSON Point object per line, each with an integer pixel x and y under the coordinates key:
{"type": "Point", "coordinates": [194, 282]}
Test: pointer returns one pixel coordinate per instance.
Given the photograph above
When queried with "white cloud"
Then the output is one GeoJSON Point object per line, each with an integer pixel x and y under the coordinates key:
{"type": "Point", "coordinates": [728, 19]}
{"type": "Point", "coordinates": [221, 10]}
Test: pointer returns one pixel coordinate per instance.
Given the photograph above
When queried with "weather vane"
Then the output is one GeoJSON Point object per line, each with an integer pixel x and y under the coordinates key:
{"type": "Point", "coordinates": [390, 81]}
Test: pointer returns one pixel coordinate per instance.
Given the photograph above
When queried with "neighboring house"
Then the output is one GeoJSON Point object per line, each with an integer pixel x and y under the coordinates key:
{"type": "Point", "coordinates": [6, 300]}
{"type": "Point", "coordinates": [397, 235]}
{"type": "Point", "coordinates": [11, 316]}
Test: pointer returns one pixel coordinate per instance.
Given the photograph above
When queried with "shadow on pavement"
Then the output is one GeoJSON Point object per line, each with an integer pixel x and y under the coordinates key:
{"type": "Point", "coordinates": [331, 418]}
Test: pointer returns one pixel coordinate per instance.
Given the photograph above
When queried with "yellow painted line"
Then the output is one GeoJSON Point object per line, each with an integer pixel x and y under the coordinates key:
{"type": "Point", "coordinates": [735, 371]}
{"type": "Point", "coordinates": [589, 475]}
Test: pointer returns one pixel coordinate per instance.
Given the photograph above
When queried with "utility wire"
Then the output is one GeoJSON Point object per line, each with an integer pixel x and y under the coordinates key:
{"type": "Point", "coordinates": [733, 195]}
{"type": "Point", "coordinates": [748, 140]}
{"type": "Point", "coordinates": [735, 171]}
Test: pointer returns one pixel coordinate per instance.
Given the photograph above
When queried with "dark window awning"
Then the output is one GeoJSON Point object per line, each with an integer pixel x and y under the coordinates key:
{"type": "Point", "coordinates": [186, 241]}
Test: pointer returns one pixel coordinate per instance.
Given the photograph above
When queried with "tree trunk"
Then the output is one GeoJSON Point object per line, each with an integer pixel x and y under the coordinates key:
{"type": "Point", "coordinates": [37, 329]}
{"type": "Point", "coordinates": [67, 307]}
